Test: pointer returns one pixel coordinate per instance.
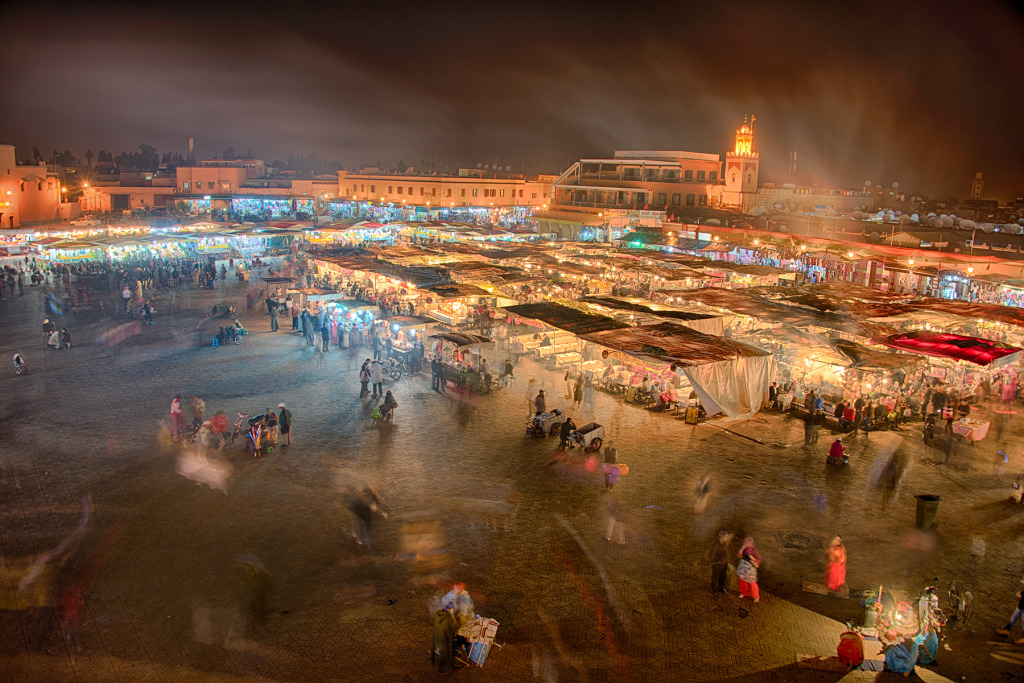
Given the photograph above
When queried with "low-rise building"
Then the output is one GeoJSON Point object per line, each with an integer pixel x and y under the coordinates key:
{"type": "Point", "coordinates": [28, 194]}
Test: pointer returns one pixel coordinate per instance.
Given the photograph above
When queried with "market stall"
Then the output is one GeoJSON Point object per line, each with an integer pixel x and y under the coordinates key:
{"type": "Point", "coordinates": [460, 355]}
{"type": "Point", "coordinates": [406, 331]}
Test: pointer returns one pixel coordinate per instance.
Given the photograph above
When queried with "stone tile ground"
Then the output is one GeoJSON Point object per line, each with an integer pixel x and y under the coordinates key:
{"type": "Point", "coordinates": [468, 498]}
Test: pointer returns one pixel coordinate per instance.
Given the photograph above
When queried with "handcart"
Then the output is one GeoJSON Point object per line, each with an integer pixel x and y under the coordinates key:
{"type": "Point", "coordinates": [589, 437]}
{"type": "Point", "coordinates": [546, 424]}
{"type": "Point", "coordinates": [479, 634]}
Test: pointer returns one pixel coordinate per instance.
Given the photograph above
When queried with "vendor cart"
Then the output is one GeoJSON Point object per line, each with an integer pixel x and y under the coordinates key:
{"type": "Point", "coordinates": [589, 437]}
{"type": "Point", "coordinates": [972, 430]}
{"type": "Point", "coordinates": [479, 634]}
{"type": "Point", "coordinates": [546, 424]}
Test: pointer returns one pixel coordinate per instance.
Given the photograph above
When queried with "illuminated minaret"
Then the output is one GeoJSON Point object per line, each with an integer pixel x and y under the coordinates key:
{"type": "Point", "coordinates": [741, 167]}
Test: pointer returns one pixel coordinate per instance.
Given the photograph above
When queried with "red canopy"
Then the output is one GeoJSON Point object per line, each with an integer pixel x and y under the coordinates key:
{"type": "Point", "coordinates": [980, 351]}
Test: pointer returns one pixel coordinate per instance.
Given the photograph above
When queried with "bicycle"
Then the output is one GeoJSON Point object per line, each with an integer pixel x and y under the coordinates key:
{"type": "Point", "coordinates": [961, 604]}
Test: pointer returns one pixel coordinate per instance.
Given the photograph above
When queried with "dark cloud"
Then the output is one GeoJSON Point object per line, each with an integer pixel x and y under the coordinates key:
{"type": "Point", "coordinates": [924, 93]}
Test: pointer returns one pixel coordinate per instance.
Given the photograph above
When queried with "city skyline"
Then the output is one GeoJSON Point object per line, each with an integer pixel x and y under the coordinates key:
{"type": "Point", "coordinates": [856, 97]}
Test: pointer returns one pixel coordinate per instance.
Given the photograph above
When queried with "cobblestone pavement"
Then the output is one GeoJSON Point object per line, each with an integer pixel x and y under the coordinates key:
{"type": "Point", "coordinates": [468, 498]}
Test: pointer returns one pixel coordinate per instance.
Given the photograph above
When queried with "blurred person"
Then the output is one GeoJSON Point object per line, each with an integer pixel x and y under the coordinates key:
{"type": "Point", "coordinates": [615, 526]}
{"type": "Point", "coordinates": [531, 385]}
{"type": "Point", "coordinates": [198, 411]}
{"type": "Point", "coordinates": [1014, 618]}
{"type": "Point", "coordinates": [701, 491]}
{"type": "Point", "coordinates": [48, 329]}
{"type": "Point", "coordinates": [746, 570]}
{"type": "Point", "coordinates": [719, 556]}
{"type": "Point", "coordinates": [565, 432]}
{"type": "Point", "coordinates": [577, 393]}
{"type": "Point", "coordinates": [65, 338]}
{"type": "Point", "coordinates": [540, 403]}
{"type": "Point", "coordinates": [177, 418]}
{"type": "Point", "coordinates": [835, 564]}
{"type": "Point", "coordinates": [363, 505]}
{"type": "Point", "coordinates": [20, 366]}
{"type": "Point", "coordinates": [256, 585]}
{"type": "Point", "coordinates": [53, 343]}
{"type": "Point", "coordinates": [442, 654]}
{"type": "Point", "coordinates": [459, 602]}
{"type": "Point", "coordinates": [219, 428]}
{"type": "Point", "coordinates": [284, 420]}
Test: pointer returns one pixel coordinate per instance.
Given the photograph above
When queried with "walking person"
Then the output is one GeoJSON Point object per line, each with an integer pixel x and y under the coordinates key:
{"type": "Point", "coordinates": [719, 556]}
{"type": "Point", "coordinates": [325, 336]}
{"type": "Point", "coordinates": [615, 526]}
{"type": "Point", "coordinates": [284, 422]}
{"type": "Point", "coordinates": [577, 393]}
{"type": "Point", "coordinates": [540, 403]}
{"type": "Point", "coordinates": [435, 373]}
{"type": "Point", "coordinates": [746, 570]}
{"type": "Point", "coordinates": [377, 377]}
{"type": "Point", "coordinates": [1014, 618]}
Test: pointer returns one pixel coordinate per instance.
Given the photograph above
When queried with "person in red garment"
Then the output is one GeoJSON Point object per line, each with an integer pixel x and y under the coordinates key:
{"type": "Point", "coordinates": [835, 565]}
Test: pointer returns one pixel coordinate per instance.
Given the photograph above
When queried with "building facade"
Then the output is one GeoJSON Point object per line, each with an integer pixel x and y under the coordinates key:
{"type": "Point", "coordinates": [470, 188]}
{"type": "Point", "coordinates": [28, 194]}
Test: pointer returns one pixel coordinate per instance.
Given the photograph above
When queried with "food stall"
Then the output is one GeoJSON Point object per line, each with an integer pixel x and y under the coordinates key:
{"type": "Point", "coordinates": [452, 304]}
{"type": "Point", "coordinates": [460, 355]}
{"type": "Point", "coordinates": [970, 429]}
{"type": "Point", "coordinates": [407, 330]}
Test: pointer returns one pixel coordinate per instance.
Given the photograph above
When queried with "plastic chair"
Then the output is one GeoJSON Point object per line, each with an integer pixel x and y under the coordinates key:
{"type": "Point", "coordinates": [214, 342]}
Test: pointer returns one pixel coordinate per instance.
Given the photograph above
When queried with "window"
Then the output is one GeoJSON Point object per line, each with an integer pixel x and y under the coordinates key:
{"type": "Point", "coordinates": [373, 189]}
{"type": "Point", "coordinates": [449, 194]}
{"type": "Point", "coordinates": [700, 175]}
{"type": "Point", "coordinates": [675, 199]}
{"type": "Point", "coordinates": [688, 175]}
{"type": "Point", "coordinates": [421, 191]}
{"type": "Point", "coordinates": [534, 196]}
{"type": "Point", "coordinates": [689, 200]}
{"type": "Point", "coordinates": [362, 188]}
{"type": "Point", "coordinates": [184, 185]}
{"type": "Point", "coordinates": [474, 191]}
{"type": "Point", "coordinates": [390, 190]}
{"type": "Point", "coordinates": [433, 192]}
{"type": "Point", "coordinates": [520, 194]}
{"type": "Point", "coordinates": [503, 193]}
{"type": "Point", "coordinates": [464, 192]}
{"type": "Point", "coordinates": [399, 189]}
{"type": "Point", "coordinates": [713, 176]}
{"type": "Point", "coordinates": [410, 189]}
{"type": "Point", "coordinates": [661, 199]}
{"type": "Point", "coordinates": [702, 200]}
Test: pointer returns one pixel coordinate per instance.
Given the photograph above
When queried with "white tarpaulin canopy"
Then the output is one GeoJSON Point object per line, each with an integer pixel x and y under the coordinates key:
{"type": "Point", "coordinates": [735, 387]}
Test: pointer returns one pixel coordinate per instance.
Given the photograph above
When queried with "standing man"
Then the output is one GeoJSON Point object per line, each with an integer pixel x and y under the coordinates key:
{"type": "Point", "coordinates": [364, 379]}
{"type": "Point", "coordinates": [377, 377]}
{"type": "Point", "coordinates": [485, 371]}
{"type": "Point", "coordinates": [720, 561]}
{"type": "Point", "coordinates": [325, 335]}
{"type": "Point", "coordinates": [177, 418]}
{"type": "Point", "coordinates": [540, 403]}
{"type": "Point", "coordinates": [435, 373]}
{"type": "Point", "coordinates": [285, 424]}
{"type": "Point", "coordinates": [198, 411]}
{"type": "Point", "coordinates": [272, 305]}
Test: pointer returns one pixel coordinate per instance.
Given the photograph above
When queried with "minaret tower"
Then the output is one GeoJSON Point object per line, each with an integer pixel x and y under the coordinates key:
{"type": "Point", "coordinates": [741, 168]}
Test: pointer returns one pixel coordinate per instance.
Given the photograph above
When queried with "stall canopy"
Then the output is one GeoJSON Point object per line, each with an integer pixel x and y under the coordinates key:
{"type": "Point", "coordinates": [953, 346]}
{"type": "Point", "coordinates": [702, 322]}
{"type": "Point", "coordinates": [565, 317]}
{"type": "Point", "coordinates": [459, 290]}
{"type": "Point", "coordinates": [411, 320]}
{"type": "Point", "coordinates": [863, 357]}
{"type": "Point", "coordinates": [748, 303]}
{"type": "Point", "coordinates": [461, 338]}
{"type": "Point", "coordinates": [729, 377]}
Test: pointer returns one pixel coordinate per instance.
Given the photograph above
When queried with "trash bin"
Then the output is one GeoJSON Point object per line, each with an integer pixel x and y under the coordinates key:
{"type": "Point", "coordinates": [927, 509]}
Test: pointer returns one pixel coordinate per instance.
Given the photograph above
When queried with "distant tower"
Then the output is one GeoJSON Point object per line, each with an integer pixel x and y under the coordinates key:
{"type": "Point", "coordinates": [741, 167]}
{"type": "Point", "coordinates": [977, 186]}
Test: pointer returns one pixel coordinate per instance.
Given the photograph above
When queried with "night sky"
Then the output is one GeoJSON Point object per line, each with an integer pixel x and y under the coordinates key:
{"type": "Point", "coordinates": [924, 93]}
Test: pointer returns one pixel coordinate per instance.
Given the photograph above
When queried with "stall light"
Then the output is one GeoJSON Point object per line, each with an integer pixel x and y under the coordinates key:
{"type": "Point", "coordinates": [970, 269]}
{"type": "Point", "coordinates": [850, 254]}
{"type": "Point", "coordinates": [910, 261]}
